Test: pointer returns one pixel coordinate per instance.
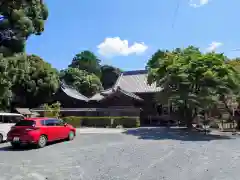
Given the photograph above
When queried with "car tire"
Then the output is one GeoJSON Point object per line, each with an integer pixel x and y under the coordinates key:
{"type": "Point", "coordinates": [71, 136]}
{"type": "Point", "coordinates": [1, 138]}
{"type": "Point", "coordinates": [42, 142]}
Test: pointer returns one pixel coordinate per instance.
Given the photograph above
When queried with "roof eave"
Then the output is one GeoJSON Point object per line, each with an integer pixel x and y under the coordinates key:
{"type": "Point", "coordinates": [84, 98]}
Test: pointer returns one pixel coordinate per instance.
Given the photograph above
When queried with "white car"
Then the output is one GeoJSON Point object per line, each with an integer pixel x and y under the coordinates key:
{"type": "Point", "coordinates": [7, 120]}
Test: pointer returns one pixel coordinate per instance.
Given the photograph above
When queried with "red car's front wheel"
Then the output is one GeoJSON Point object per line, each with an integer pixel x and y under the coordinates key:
{"type": "Point", "coordinates": [71, 136]}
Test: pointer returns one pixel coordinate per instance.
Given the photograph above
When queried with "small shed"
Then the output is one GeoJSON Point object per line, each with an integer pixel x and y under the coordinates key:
{"type": "Point", "coordinates": [24, 111]}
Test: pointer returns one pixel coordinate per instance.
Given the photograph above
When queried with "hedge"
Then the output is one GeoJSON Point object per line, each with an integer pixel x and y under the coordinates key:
{"type": "Point", "coordinates": [125, 121]}
{"type": "Point", "coordinates": [73, 120]}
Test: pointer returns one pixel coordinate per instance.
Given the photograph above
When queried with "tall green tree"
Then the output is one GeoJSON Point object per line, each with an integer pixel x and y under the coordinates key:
{"type": "Point", "coordinates": [34, 81]}
{"type": "Point", "coordinates": [192, 81]}
{"type": "Point", "coordinates": [86, 83]}
{"type": "Point", "coordinates": [235, 63]}
{"type": "Point", "coordinates": [87, 61]}
{"type": "Point", "coordinates": [109, 76]}
{"type": "Point", "coordinates": [22, 18]}
{"type": "Point", "coordinates": [5, 84]}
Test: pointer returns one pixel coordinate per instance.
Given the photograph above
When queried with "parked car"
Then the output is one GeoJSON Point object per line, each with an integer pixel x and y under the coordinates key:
{"type": "Point", "coordinates": [40, 131]}
{"type": "Point", "coordinates": [7, 120]}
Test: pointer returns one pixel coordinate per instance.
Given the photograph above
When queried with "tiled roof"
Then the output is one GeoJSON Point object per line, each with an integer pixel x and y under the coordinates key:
{"type": "Point", "coordinates": [129, 82]}
{"type": "Point", "coordinates": [101, 95]}
{"type": "Point", "coordinates": [136, 82]}
{"type": "Point", "coordinates": [96, 97]}
{"type": "Point", "coordinates": [106, 93]}
{"type": "Point", "coordinates": [72, 92]}
{"type": "Point", "coordinates": [130, 94]}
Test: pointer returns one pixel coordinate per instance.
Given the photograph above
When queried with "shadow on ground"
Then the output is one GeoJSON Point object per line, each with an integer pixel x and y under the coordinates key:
{"type": "Point", "coordinates": [26, 147]}
{"type": "Point", "coordinates": [181, 134]}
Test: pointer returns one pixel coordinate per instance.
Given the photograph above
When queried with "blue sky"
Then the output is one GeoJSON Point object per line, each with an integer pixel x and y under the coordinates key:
{"type": "Point", "coordinates": [105, 27]}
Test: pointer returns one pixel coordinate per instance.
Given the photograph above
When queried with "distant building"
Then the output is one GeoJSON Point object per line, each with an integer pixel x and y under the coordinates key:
{"type": "Point", "coordinates": [130, 96]}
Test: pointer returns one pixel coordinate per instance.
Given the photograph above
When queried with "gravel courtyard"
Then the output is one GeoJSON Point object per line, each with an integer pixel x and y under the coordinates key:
{"type": "Point", "coordinates": [143, 154]}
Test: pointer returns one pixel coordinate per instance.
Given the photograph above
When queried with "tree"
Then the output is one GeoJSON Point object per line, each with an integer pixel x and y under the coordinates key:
{"type": "Point", "coordinates": [229, 101]}
{"type": "Point", "coordinates": [5, 84]}
{"type": "Point", "coordinates": [52, 110]}
{"type": "Point", "coordinates": [86, 83]}
{"type": "Point", "coordinates": [34, 80]}
{"type": "Point", "coordinates": [235, 63]}
{"type": "Point", "coordinates": [109, 76]}
{"type": "Point", "coordinates": [21, 19]}
{"type": "Point", "coordinates": [88, 62]}
{"type": "Point", "coordinates": [192, 81]}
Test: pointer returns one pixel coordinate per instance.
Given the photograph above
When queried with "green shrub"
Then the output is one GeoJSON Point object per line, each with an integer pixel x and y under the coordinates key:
{"type": "Point", "coordinates": [126, 122]}
{"type": "Point", "coordinates": [73, 120]}
{"type": "Point", "coordinates": [96, 121]}
{"type": "Point", "coordinates": [52, 110]}
{"type": "Point", "coordinates": [138, 123]}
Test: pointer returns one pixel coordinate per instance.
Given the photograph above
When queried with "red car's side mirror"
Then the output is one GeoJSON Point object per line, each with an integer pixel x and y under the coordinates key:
{"type": "Point", "coordinates": [65, 124]}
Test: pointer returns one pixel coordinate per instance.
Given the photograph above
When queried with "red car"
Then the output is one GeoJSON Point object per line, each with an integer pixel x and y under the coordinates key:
{"type": "Point", "coordinates": [40, 131]}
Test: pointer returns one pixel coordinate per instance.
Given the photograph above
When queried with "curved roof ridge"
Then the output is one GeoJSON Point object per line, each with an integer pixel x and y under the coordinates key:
{"type": "Point", "coordinates": [117, 82]}
{"type": "Point", "coordinates": [101, 95]}
{"type": "Point", "coordinates": [109, 90]}
{"type": "Point", "coordinates": [133, 95]}
{"type": "Point", "coordinates": [72, 92]}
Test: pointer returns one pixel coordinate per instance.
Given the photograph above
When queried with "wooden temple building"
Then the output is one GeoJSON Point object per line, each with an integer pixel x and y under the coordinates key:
{"type": "Point", "coordinates": [130, 96]}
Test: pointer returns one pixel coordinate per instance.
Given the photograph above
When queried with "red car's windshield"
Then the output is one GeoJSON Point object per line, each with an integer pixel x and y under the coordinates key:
{"type": "Point", "coordinates": [26, 123]}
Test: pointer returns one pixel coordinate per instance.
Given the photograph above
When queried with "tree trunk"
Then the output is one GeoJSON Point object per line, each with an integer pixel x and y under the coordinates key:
{"type": "Point", "coordinates": [228, 109]}
{"type": "Point", "coordinates": [237, 118]}
{"type": "Point", "coordinates": [189, 116]}
{"type": "Point", "coordinates": [189, 124]}
{"type": "Point", "coordinates": [238, 124]}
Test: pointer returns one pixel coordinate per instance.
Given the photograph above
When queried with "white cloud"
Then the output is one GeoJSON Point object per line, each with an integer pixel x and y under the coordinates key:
{"type": "Point", "coordinates": [198, 3]}
{"type": "Point", "coordinates": [117, 47]}
{"type": "Point", "coordinates": [213, 46]}
{"type": "Point", "coordinates": [237, 49]}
